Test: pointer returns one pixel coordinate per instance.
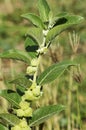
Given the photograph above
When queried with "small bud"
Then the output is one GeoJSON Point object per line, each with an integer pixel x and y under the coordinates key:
{"type": "Point", "coordinates": [16, 128]}
{"type": "Point", "coordinates": [26, 128]}
{"type": "Point", "coordinates": [24, 105]}
{"type": "Point", "coordinates": [28, 112]}
{"type": "Point", "coordinates": [23, 123]}
{"type": "Point", "coordinates": [29, 95]}
{"type": "Point", "coordinates": [34, 62]}
{"type": "Point", "coordinates": [20, 112]}
{"type": "Point", "coordinates": [36, 91]}
{"type": "Point", "coordinates": [42, 50]}
{"type": "Point", "coordinates": [45, 32]}
{"type": "Point", "coordinates": [31, 70]}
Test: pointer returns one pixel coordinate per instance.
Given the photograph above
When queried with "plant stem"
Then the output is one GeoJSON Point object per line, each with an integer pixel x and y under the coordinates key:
{"type": "Point", "coordinates": [70, 97]}
{"type": "Point", "coordinates": [78, 110]}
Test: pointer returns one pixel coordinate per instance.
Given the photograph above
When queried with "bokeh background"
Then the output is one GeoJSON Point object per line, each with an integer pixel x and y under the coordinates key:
{"type": "Point", "coordinates": [12, 35]}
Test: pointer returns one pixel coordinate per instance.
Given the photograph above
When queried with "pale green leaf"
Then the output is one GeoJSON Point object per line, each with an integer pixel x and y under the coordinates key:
{"type": "Point", "coordinates": [54, 20]}
{"type": "Point", "coordinates": [36, 33]}
{"type": "Point", "coordinates": [16, 54]}
{"type": "Point", "coordinates": [22, 80]}
{"type": "Point", "coordinates": [63, 23]}
{"type": "Point", "coordinates": [2, 127]}
{"type": "Point", "coordinates": [42, 114]}
{"type": "Point", "coordinates": [34, 19]}
{"type": "Point", "coordinates": [44, 10]}
{"type": "Point", "coordinates": [13, 97]}
{"type": "Point", "coordinates": [10, 119]}
{"type": "Point", "coordinates": [54, 71]}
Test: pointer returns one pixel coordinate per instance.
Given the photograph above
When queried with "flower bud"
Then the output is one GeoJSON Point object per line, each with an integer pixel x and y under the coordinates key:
{"type": "Point", "coordinates": [23, 123]}
{"type": "Point", "coordinates": [28, 112]}
{"type": "Point", "coordinates": [21, 126]}
{"type": "Point", "coordinates": [34, 62]}
{"type": "Point", "coordinates": [42, 50]}
{"type": "Point", "coordinates": [20, 112]}
{"type": "Point", "coordinates": [17, 127]}
{"type": "Point", "coordinates": [26, 128]}
{"type": "Point", "coordinates": [36, 91]}
{"type": "Point", "coordinates": [31, 70]}
{"type": "Point", "coordinates": [29, 95]}
{"type": "Point", "coordinates": [24, 105]}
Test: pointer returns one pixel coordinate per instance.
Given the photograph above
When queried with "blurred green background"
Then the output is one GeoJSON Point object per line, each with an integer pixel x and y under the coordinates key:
{"type": "Point", "coordinates": [12, 35]}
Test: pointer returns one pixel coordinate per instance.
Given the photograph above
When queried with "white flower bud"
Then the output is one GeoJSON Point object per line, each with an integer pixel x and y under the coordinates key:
{"type": "Point", "coordinates": [45, 32]}
{"type": "Point", "coordinates": [42, 50]}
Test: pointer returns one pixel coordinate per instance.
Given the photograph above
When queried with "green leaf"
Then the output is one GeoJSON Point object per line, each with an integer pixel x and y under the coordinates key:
{"type": "Point", "coordinates": [13, 97]}
{"type": "Point", "coordinates": [34, 19]}
{"type": "Point", "coordinates": [36, 33]}
{"type": "Point", "coordinates": [62, 24]}
{"type": "Point", "coordinates": [16, 54]}
{"type": "Point", "coordinates": [44, 113]}
{"type": "Point", "coordinates": [10, 118]}
{"type": "Point", "coordinates": [58, 19]}
{"type": "Point", "coordinates": [31, 44]}
{"type": "Point", "coordinates": [54, 71]}
{"type": "Point", "coordinates": [43, 10]}
{"type": "Point", "coordinates": [2, 127]}
{"type": "Point", "coordinates": [21, 80]}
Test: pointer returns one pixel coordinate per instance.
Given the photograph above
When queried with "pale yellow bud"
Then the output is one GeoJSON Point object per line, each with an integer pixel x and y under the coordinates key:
{"type": "Point", "coordinates": [31, 70]}
{"type": "Point", "coordinates": [36, 91]}
{"type": "Point", "coordinates": [29, 95]}
{"type": "Point", "coordinates": [20, 112]}
{"type": "Point", "coordinates": [33, 86]}
{"type": "Point", "coordinates": [23, 123]}
{"type": "Point", "coordinates": [26, 128]}
{"type": "Point", "coordinates": [42, 50]}
{"type": "Point", "coordinates": [34, 62]}
{"type": "Point", "coordinates": [24, 105]}
{"type": "Point", "coordinates": [28, 112]}
{"type": "Point", "coordinates": [16, 128]}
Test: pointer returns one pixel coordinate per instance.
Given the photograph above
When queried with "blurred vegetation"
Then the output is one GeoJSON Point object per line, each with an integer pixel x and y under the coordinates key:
{"type": "Point", "coordinates": [12, 35]}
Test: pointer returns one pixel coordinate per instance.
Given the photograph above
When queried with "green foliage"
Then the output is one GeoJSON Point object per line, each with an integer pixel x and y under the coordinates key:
{"type": "Point", "coordinates": [61, 24]}
{"type": "Point", "coordinates": [29, 87]}
{"type": "Point", "coordinates": [34, 19]}
{"type": "Point", "coordinates": [54, 71]}
{"type": "Point", "coordinates": [11, 96]}
{"type": "Point", "coordinates": [22, 80]}
{"type": "Point", "coordinates": [36, 33]}
{"type": "Point", "coordinates": [31, 45]}
{"type": "Point", "coordinates": [10, 118]}
{"type": "Point", "coordinates": [44, 10]}
{"type": "Point", "coordinates": [15, 54]}
{"type": "Point", "coordinates": [44, 113]}
{"type": "Point", "coordinates": [2, 127]}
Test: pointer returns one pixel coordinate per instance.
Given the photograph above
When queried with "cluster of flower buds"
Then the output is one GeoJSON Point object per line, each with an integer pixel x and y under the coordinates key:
{"type": "Point", "coordinates": [33, 67]}
{"type": "Point", "coordinates": [21, 126]}
{"type": "Point", "coordinates": [25, 110]}
{"type": "Point", "coordinates": [42, 50]}
{"type": "Point", "coordinates": [32, 93]}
